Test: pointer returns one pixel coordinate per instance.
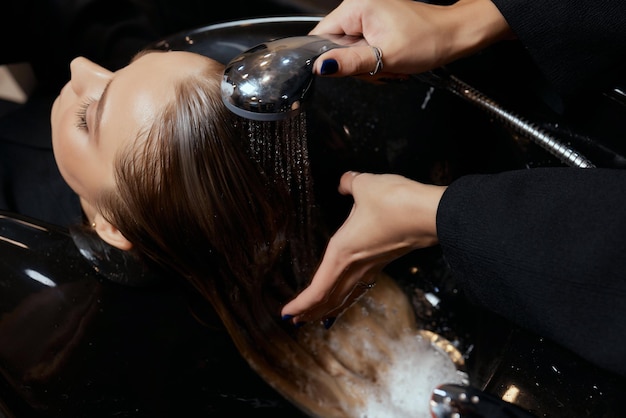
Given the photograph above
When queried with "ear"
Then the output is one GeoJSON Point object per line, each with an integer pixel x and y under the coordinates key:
{"type": "Point", "coordinates": [110, 234]}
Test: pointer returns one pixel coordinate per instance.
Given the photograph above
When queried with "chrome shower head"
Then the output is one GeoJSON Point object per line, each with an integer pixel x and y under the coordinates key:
{"type": "Point", "coordinates": [270, 81]}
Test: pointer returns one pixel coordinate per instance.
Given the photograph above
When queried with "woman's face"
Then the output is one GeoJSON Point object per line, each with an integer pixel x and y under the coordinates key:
{"type": "Point", "coordinates": [99, 113]}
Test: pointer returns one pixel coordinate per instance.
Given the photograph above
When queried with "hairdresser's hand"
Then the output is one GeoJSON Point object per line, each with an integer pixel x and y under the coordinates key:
{"type": "Point", "coordinates": [391, 216]}
{"type": "Point", "coordinates": [413, 36]}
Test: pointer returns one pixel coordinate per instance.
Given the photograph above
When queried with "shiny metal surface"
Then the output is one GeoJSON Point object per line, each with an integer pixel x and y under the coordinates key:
{"type": "Point", "coordinates": [271, 80]}
{"type": "Point", "coordinates": [561, 149]}
{"type": "Point", "coordinates": [458, 401]}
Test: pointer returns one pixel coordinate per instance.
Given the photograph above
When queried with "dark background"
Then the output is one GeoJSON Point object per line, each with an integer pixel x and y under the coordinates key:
{"type": "Point", "coordinates": [48, 34]}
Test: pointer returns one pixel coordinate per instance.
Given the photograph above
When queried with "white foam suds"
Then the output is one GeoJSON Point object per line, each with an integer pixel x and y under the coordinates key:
{"type": "Point", "coordinates": [405, 387]}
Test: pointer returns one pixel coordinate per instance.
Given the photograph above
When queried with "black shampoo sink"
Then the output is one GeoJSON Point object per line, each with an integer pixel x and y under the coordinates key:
{"type": "Point", "coordinates": [74, 343]}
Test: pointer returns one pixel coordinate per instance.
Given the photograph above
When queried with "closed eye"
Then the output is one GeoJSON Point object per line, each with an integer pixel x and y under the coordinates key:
{"type": "Point", "coordinates": [81, 115]}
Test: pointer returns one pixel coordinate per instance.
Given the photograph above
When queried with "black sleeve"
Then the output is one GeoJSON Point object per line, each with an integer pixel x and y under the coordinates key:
{"type": "Point", "coordinates": [545, 248]}
{"type": "Point", "coordinates": [579, 45]}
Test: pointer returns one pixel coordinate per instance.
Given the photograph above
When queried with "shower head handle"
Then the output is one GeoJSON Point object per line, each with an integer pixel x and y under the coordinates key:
{"type": "Point", "coordinates": [270, 81]}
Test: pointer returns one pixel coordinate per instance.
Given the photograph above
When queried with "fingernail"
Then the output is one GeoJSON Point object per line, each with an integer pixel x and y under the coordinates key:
{"type": "Point", "coordinates": [299, 324]}
{"type": "Point", "coordinates": [287, 317]}
{"type": "Point", "coordinates": [328, 322]}
{"type": "Point", "coordinates": [329, 66]}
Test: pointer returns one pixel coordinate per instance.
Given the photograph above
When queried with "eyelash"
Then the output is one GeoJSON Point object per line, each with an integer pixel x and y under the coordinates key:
{"type": "Point", "coordinates": [81, 114]}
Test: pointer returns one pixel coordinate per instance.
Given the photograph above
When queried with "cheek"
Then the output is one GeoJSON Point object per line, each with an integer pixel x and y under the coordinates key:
{"type": "Point", "coordinates": [69, 149]}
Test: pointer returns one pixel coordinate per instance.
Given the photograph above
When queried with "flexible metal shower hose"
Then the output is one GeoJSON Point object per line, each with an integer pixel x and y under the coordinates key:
{"type": "Point", "coordinates": [545, 140]}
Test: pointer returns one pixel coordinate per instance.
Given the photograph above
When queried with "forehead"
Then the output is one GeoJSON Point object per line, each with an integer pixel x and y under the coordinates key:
{"type": "Point", "coordinates": [165, 61]}
{"type": "Point", "coordinates": [138, 93]}
{"type": "Point", "coordinates": [153, 75]}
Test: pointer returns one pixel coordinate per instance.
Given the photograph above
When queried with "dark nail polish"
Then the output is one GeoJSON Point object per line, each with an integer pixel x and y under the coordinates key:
{"type": "Point", "coordinates": [329, 66]}
{"type": "Point", "coordinates": [287, 317]}
{"type": "Point", "coordinates": [328, 322]}
{"type": "Point", "coordinates": [299, 324]}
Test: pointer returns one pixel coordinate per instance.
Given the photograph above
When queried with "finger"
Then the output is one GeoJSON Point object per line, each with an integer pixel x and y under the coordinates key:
{"type": "Point", "coordinates": [353, 60]}
{"type": "Point", "coordinates": [346, 180]}
{"type": "Point", "coordinates": [341, 295]}
{"type": "Point", "coordinates": [338, 22]}
{"type": "Point", "coordinates": [322, 285]}
{"type": "Point", "coordinates": [353, 285]}
{"type": "Point", "coordinates": [332, 266]}
{"type": "Point", "coordinates": [364, 285]}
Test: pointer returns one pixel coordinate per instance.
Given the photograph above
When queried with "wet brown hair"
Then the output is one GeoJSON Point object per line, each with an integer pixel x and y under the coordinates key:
{"type": "Point", "coordinates": [187, 191]}
{"type": "Point", "coordinates": [193, 202]}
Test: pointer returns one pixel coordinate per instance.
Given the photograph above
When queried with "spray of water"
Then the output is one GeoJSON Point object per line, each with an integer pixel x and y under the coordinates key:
{"type": "Point", "coordinates": [409, 366]}
{"type": "Point", "coordinates": [281, 149]}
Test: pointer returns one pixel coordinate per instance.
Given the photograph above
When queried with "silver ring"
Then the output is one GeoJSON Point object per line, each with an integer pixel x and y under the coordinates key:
{"type": "Point", "coordinates": [378, 54]}
{"type": "Point", "coordinates": [366, 286]}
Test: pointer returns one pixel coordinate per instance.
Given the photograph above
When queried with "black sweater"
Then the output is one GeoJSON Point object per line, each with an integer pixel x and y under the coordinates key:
{"type": "Point", "coordinates": [546, 248]}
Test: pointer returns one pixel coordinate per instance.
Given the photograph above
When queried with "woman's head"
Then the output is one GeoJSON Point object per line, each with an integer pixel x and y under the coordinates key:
{"type": "Point", "coordinates": [158, 164]}
{"type": "Point", "coordinates": [100, 114]}
{"type": "Point", "coordinates": [158, 161]}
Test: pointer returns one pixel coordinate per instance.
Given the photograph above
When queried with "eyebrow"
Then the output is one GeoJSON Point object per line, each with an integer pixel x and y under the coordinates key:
{"type": "Point", "coordinates": [101, 106]}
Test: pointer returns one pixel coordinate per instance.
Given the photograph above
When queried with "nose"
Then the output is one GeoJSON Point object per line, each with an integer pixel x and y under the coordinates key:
{"type": "Point", "coordinates": [87, 77]}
